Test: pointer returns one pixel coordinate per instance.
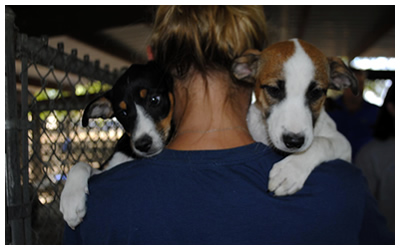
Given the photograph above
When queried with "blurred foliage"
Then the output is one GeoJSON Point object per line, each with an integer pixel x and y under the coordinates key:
{"type": "Point", "coordinates": [80, 90]}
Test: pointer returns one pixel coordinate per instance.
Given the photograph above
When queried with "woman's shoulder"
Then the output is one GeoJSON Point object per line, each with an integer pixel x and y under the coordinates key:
{"type": "Point", "coordinates": [255, 154]}
{"type": "Point", "coordinates": [337, 178]}
{"type": "Point", "coordinates": [336, 174]}
{"type": "Point", "coordinates": [339, 168]}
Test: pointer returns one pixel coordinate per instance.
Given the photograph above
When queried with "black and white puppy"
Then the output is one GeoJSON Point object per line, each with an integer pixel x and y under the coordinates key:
{"type": "Point", "coordinates": [142, 101]}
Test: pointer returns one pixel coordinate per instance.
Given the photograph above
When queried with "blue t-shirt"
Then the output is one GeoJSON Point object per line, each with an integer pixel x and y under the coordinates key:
{"type": "Point", "coordinates": [221, 197]}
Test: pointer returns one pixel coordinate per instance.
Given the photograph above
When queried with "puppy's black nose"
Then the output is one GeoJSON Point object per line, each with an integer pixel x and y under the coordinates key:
{"type": "Point", "coordinates": [293, 140]}
{"type": "Point", "coordinates": [143, 143]}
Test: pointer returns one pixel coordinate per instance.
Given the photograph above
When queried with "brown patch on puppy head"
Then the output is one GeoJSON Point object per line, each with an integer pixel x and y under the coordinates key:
{"type": "Point", "coordinates": [123, 105]}
{"type": "Point", "coordinates": [143, 93]}
{"type": "Point", "coordinates": [271, 71]}
{"type": "Point", "coordinates": [164, 126]}
{"type": "Point", "coordinates": [321, 75]}
{"type": "Point", "coordinates": [320, 62]}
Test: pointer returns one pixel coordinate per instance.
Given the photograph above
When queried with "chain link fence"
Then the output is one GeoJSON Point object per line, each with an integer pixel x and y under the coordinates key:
{"type": "Point", "coordinates": [46, 92]}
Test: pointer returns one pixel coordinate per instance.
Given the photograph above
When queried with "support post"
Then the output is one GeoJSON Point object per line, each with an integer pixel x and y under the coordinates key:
{"type": "Point", "coordinates": [13, 168]}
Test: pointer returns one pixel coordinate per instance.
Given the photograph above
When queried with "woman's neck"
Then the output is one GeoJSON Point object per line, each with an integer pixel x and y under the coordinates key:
{"type": "Point", "coordinates": [206, 118]}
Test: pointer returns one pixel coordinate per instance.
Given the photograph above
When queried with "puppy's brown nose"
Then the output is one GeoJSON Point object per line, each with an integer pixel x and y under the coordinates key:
{"type": "Point", "coordinates": [293, 140]}
{"type": "Point", "coordinates": [144, 143]}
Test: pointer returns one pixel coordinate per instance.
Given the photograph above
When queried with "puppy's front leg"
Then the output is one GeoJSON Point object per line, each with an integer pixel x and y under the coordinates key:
{"type": "Point", "coordinates": [73, 196]}
{"type": "Point", "coordinates": [289, 175]}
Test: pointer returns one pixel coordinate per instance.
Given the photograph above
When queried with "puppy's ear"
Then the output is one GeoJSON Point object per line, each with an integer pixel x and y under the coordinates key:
{"type": "Point", "coordinates": [100, 107]}
{"type": "Point", "coordinates": [245, 67]}
{"type": "Point", "coordinates": [341, 76]}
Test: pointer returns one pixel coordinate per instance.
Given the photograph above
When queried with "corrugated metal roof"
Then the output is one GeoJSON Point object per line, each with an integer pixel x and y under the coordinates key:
{"type": "Point", "coordinates": [337, 30]}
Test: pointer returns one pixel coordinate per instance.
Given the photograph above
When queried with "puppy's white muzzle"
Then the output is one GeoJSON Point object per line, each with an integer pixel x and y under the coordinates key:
{"type": "Point", "coordinates": [146, 140]}
{"type": "Point", "coordinates": [290, 126]}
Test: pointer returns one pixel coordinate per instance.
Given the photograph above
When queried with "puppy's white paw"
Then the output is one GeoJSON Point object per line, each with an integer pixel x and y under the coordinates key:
{"type": "Point", "coordinates": [288, 176]}
{"type": "Point", "coordinates": [73, 196]}
{"type": "Point", "coordinates": [73, 206]}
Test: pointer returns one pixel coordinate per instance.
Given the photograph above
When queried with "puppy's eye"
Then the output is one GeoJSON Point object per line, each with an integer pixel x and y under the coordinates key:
{"type": "Point", "coordinates": [123, 113]}
{"type": "Point", "coordinates": [313, 94]}
{"type": "Point", "coordinates": [274, 91]}
{"type": "Point", "coordinates": [155, 100]}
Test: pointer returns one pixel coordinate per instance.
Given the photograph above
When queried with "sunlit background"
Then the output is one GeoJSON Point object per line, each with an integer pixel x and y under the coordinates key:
{"type": "Point", "coordinates": [375, 90]}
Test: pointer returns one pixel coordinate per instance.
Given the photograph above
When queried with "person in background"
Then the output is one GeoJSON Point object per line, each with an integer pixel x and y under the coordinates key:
{"type": "Point", "coordinates": [377, 159]}
{"type": "Point", "coordinates": [210, 185]}
{"type": "Point", "coordinates": [354, 116]}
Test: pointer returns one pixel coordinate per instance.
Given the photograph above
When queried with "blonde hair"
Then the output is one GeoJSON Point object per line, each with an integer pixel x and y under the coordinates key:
{"type": "Point", "coordinates": [205, 37]}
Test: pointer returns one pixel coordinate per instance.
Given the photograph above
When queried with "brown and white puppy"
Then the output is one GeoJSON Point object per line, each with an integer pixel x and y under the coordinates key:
{"type": "Point", "coordinates": [291, 80]}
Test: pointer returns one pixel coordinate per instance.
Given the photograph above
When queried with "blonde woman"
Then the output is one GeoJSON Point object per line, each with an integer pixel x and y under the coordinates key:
{"type": "Point", "coordinates": [209, 186]}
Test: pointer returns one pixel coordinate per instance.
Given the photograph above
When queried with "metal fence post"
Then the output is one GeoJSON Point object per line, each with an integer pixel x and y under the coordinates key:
{"type": "Point", "coordinates": [38, 156]}
{"type": "Point", "coordinates": [13, 168]}
{"type": "Point", "coordinates": [24, 144]}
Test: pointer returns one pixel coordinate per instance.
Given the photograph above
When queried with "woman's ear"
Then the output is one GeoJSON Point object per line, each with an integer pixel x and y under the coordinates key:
{"type": "Point", "coordinates": [390, 108]}
{"type": "Point", "coordinates": [149, 51]}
